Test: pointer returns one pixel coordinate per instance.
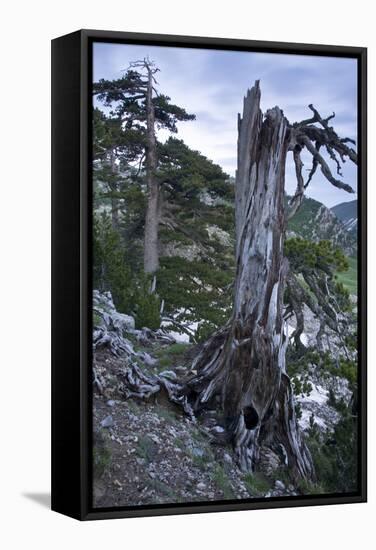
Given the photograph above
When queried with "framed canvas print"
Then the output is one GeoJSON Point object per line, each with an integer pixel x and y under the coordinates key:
{"type": "Point", "coordinates": [209, 274]}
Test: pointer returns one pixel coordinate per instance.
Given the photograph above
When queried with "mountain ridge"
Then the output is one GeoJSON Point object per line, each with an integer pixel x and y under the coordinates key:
{"type": "Point", "coordinates": [347, 213]}
{"type": "Point", "coordinates": [315, 222]}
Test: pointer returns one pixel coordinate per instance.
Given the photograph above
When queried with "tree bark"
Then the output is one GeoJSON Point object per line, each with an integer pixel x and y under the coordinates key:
{"type": "Point", "coordinates": [114, 189]}
{"type": "Point", "coordinates": [245, 361]}
{"type": "Point", "coordinates": [151, 258]}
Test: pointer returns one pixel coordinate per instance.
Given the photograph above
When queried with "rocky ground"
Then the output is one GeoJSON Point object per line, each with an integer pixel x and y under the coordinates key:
{"type": "Point", "coordinates": [146, 451]}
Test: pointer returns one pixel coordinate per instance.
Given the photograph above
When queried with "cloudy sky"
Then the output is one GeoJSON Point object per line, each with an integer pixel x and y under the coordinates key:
{"type": "Point", "coordinates": [211, 84]}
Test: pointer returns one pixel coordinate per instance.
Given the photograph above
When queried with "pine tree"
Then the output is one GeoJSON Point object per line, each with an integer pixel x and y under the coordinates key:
{"type": "Point", "coordinates": [196, 238]}
{"type": "Point", "coordinates": [138, 105]}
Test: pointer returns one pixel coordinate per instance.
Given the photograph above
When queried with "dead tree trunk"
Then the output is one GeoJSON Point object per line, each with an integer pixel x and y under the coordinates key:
{"type": "Point", "coordinates": [245, 361]}
{"type": "Point", "coordinates": [151, 258]}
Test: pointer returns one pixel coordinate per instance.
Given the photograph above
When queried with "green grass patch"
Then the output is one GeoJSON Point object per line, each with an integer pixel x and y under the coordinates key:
{"type": "Point", "coordinates": [202, 461]}
{"type": "Point", "coordinates": [257, 484]}
{"type": "Point", "coordinates": [133, 406]}
{"type": "Point", "coordinates": [222, 482]}
{"type": "Point", "coordinates": [178, 349]}
{"type": "Point", "coordinates": [135, 343]}
{"type": "Point", "coordinates": [97, 319]}
{"type": "Point", "coordinates": [179, 443]}
{"type": "Point", "coordinates": [101, 458]}
{"type": "Point", "coordinates": [198, 436]}
{"type": "Point", "coordinates": [308, 488]}
{"type": "Point", "coordinates": [166, 414]}
{"type": "Point", "coordinates": [171, 355]}
{"type": "Point", "coordinates": [162, 489]}
{"type": "Point", "coordinates": [349, 278]}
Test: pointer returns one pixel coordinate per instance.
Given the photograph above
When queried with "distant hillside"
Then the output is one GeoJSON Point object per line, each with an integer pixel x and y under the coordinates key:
{"type": "Point", "coordinates": [316, 222]}
{"type": "Point", "coordinates": [347, 212]}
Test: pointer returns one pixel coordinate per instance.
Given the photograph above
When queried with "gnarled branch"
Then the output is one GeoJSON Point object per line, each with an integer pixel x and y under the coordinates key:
{"type": "Point", "coordinates": [307, 134]}
{"type": "Point", "coordinates": [324, 166]}
{"type": "Point", "coordinates": [299, 193]}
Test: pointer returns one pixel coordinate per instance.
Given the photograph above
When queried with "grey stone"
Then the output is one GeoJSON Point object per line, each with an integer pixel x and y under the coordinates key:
{"type": "Point", "coordinates": [148, 359]}
{"type": "Point", "coordinates": [218, 430]}
{"type": "Point", "coordinates": [227, 458]}
{"type": "Point", "coordinates": [197, 452]}
{"type": "Point", "coordinates": [155, 439]}
{"type": "Point", "coordinates": [279, 485]}
{"type": "Point", "coordinates": [107, 422]}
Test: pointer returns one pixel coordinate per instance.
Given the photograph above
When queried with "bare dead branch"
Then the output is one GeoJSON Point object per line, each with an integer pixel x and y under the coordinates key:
{"type": "Point", "coordinates": [314, 166]}
{"type": "Point", "coordinates": [348, 140]}
{"type": "Point", "coordinates": [306, 133]}
{"type": "Point", "coordinates": [332, 155]}
{"type": "Point", "coordinates": [297, 199]}
{"type": "Point", "coordinates": [324, 166]}
{"type": "Point", "coordinates": [317, 117]}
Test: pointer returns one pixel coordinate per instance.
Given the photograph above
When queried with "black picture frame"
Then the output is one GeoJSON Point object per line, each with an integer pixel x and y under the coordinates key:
{"type": "Point", "coordinates": [71, 275]}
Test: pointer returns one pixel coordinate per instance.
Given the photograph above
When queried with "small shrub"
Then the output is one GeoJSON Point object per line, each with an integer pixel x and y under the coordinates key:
{"type": "Point", "coordinates": [146, 448]}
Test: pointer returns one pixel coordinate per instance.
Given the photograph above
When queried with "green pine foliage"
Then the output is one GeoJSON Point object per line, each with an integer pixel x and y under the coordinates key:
{"type": "Point", "coordinates": [335, 454]}
{"type": "Point", "coordinates": [322, 262]}
{"type": "Point", "coordinates": [185, 173]}
{"type": "Point", "coordinates": [127, 98]}
{"type": "Point", "coordinates": [147, 305]}
{"type": "Point", "coordinates": [323, 256]}
{"type": "Point", "coordinates": [324, 363]}
{"type": "Point", "coordinates": [110, 270]}
{"type": "Point", "coordinates": [198, 221]}
{"type": "Point", "coordinates": [195, 291]}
